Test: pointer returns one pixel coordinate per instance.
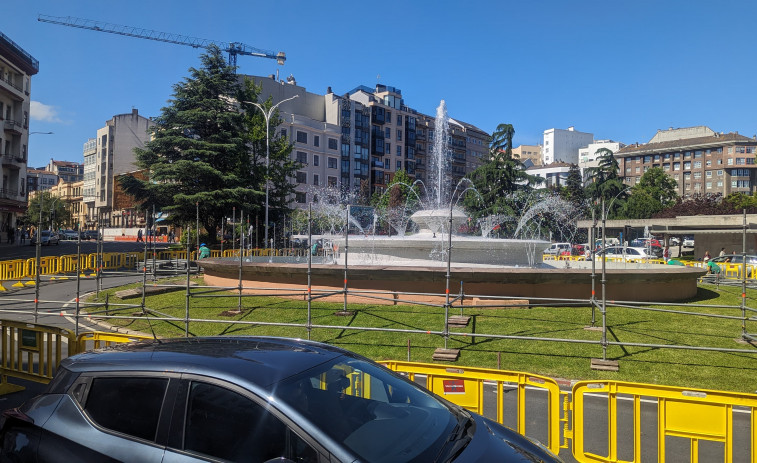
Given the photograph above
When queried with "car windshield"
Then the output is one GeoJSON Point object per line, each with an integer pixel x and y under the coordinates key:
{"type": "Point", "coordinates": [375, 414]}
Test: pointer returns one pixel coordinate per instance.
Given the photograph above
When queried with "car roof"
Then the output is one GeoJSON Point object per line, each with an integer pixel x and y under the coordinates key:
{"type": "Point", "coordinates": [261, 361]}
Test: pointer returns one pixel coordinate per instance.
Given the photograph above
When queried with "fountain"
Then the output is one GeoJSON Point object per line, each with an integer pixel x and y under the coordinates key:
{"type": "Point", "coordinates": [416, 263]}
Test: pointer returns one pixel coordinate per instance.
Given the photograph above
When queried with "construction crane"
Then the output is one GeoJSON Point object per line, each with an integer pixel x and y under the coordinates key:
{"type": "Point", "coordinates": [232, 48]}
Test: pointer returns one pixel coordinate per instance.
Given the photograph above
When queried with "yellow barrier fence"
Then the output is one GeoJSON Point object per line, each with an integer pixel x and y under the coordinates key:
{"type": "Point", "coordinates": [696, 415]}
{"type": "Point", "coordinates": [30, 352]}
{"type": "Point", "coordinates": [96, 339]}
{"type": "Point", "coordinates": [464, 386]}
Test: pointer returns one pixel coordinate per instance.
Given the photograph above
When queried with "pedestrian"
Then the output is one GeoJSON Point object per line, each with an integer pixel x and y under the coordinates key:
{"type": "Point", "coordinates": [171, 236]}
{"type": "Point", "coordinates": [139, 235]}
{"type": "Point", "coordinates": [11, 235]}
{"type": "Point", "coordinates": [706, 257]}
{"type": "Point", "coordinates": [713, 268]}
{"type": "Point", "coordinates": [722, 252]}
{"type": "Point", "coordinates": [666, 253]}
{"type": "Point", "coordinates": [204, 251]}
{"type": "Point", "coordinates": [23, 235]}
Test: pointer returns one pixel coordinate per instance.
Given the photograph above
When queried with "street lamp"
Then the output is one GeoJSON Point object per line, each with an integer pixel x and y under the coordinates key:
{"type": "Point", "coordinates": [267, 116]}
{"type": "Point", "coordinates": [41, 133]}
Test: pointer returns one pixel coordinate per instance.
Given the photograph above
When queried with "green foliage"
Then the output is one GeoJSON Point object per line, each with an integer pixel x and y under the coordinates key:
{"type": "Point", "coordinates": [498, 178]}
{"type": "Point", "coordinates": [737, 202]}
{"type": "Point", "coordinates": [604, 183]}
{"type": "Point", "coordinates": [574, 190]}
{"type": "Point", "coordinates": [199, 155]}
{"type": "Point", "coordinates": [654, 192]}
{"type": "Point", "coordinates": [54, 212]}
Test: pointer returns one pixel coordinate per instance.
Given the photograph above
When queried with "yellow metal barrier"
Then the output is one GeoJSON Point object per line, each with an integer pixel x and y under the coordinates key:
{"type": "Point", "coordinates": [96, 339]}
{"type": "Point", "coordinates": [693, 414]}
{"type": "Point", "coordinates": [465, 387]}
{"type": "Point", "coordinates": [31, 352]}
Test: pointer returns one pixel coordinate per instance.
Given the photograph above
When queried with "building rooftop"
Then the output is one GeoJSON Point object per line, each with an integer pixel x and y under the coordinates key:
{"type": "Point", "coordinates": [17, 55]}
{"type": "Point", "coordinates": [683, 143]}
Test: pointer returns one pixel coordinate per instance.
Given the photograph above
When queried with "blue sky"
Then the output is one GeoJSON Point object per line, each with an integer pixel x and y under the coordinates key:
{"type": "Point", "coordinates": [618, 69]}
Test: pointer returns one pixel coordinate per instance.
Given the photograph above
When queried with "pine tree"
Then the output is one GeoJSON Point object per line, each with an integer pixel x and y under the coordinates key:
{"type": "Point", "coordinates": [206, 152]}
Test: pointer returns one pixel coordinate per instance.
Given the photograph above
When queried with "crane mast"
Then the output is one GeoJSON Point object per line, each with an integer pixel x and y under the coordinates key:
{"type": "Point", "coordinates": [232, 48]}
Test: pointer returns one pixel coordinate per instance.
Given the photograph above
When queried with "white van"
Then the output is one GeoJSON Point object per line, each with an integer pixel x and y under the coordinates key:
{"type": "Point", "coordinates": [558, 248]}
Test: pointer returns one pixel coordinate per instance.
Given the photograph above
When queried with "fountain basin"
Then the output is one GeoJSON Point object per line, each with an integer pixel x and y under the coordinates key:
{"type": "Point", "coordinates": [653, 283]}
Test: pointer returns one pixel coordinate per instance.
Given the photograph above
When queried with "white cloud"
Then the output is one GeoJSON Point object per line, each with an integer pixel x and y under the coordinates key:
{"type": "Point", "coordinates": [43, 112]}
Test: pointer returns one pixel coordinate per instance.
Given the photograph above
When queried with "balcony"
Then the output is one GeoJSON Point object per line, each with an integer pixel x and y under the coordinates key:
{"type": "Point", "coordinates": [12, 160]}
{"type": "Point", "coordinates": [10, 193]}
{"type": "Point", "coordinates": [14, 127]}
{"type": "Point", "coordinates": [15, 91]}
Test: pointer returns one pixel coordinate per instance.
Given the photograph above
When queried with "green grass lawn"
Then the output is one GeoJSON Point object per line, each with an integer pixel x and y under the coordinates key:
{"type": "Point", "coordinates": [676, 367]}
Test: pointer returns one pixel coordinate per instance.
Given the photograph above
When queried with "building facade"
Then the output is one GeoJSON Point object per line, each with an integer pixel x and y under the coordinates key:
{"type": "Point", "coordinates": [363, 138]}
{"type": "Point", "coordinates": [111, 154]}
{"type": "Point", "coordinates": [40, 179]}
{"type": "Point", "coordinates": [527, 153]}
{"type": "Point", "coordinates": [67, 171]}
{"type": "Point", "coordinates": [555, 175]}
{"type": "Point", "coordinates": [16, 70]}
{"type": "Point", "coordinates": [560, 145]}
{"type": "Point", "coordinates": [699, 159]}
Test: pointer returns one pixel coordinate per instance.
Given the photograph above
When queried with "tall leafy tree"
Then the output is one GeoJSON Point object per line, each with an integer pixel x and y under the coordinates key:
{"type": "Point", "coordinates": [199, 154]}
{"type": "Point", "coordinates": [654, 192]}
{"type": "Point", "coordinates": [54, 212]}
{"type": "Point", "coordinates": [574, 189]}
{"type": "Point", "coordinates": [498, 178]}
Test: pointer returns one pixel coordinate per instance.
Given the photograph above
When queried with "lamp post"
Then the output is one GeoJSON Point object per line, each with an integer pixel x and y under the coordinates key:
{"type": "Point", "coordinates": [267, 116]}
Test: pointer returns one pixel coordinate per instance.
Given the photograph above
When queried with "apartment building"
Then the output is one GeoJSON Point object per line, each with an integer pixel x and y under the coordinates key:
{"type": "Point", "coordinates": [366, 135]}
{"type": "Point", "coordinates": [699, 159]}
{"type": "Point", "coordinates": [70, 193]}
{"type": "Point", "coordinates": [16, 70]}
{"type": "Point", "coordinates": [40, 179]}
{"type": "Point", "coordinates": [67, 171]}
{"type": "Point", "coordinates": [526, 153]}
{"type": "Point", "coordinates": [562, 145]}
{"type": "Point", "coordinates": [111, 154]}
{"type": "Point", "coordinates": [554, 175]}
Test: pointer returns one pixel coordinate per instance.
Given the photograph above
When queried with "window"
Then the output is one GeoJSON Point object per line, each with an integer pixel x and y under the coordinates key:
{"type": "Point", "coordinates": [708, 174]}
{"type": "Point", "coordinates": [638, 169]}
{"type": "Point", "coordinates": [687, 165]}
{"type": "Point", "coordinates": [399, 135]}
{"type": "Point", "coordinates": [708, 185]}
{"type": "Point", "coordinates": [676, 166]}
{"type": "Point", "coordinates": [331, 181]}
{"type": "Point", "coordinates": [129, 405]}
{"type": "Point", "coordinates": [730, 150]}
{"type": "Point", "coordinates": [302, 137]}
{"type": "Point", "coordinates": [300, 197]}
{"type": "Point", "coordinates": [283, 133]}
{"type": "Point", "coordinates": [720, 173]}
{"type": "Point", "coordinates": [332, 144]}
{"type": "Point", "coordinates": [316, 179]}
{"type": "Point", "coordinates": [399, 119]}
{"type": "Point", "coordinates": [740, 161]}
{"type": "Point", "coordinates": [720, 183]}
{"type": "Point", "coordinates": [697, 164]}
{"type": "Point", "coordinates": [697, 175]}
{"type": "Point", "coordinates": [388, 133]}
{"type": "Point", "coordinates": [730, 161]}
{"type": "Point", "coordinates": [316, 160]}
{"type": "Point", "coordinates": [399, 165]}
{"type": "Point", "coordinates": [302, 157]}
{"type": "Point", "coordinates": [388, 148]}
{"type": "Point", "coordinates": [212, 411]}
{"type": "Point", "coordinates": [708, 163]}
{"type": "Point", "coordinates": [316, 140]}
{"type": "Point", "coordinates": [302, 177]}
{"type": "Point", "coordinates": [399, 150]}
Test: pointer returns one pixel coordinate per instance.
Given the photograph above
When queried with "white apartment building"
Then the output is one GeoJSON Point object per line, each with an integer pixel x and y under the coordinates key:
{"type": "Point", "coordinates": [587, 157]}
{"type": "Point", "coordinates": [112, 154]}
{"type": "Point", "coordinates": [16, 70]}
{"type": "Point", "coordinates": [555, 175]}
{"type": "Point", "coordinates": [562, 145]}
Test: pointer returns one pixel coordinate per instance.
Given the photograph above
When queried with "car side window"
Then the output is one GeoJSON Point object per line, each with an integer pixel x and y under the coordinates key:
{"type": "Point", "coordinates": [224, 424]}
{"type": "Point", "coordinates": [129, 405]}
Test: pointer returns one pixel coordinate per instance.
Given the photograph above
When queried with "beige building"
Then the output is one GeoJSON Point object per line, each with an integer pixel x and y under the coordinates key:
{"type": "Point", "coordinates": [16, 70]}
{"type": "Point", "coordinates": [528, 153]}
{"type": "Point", "coordinates": [109, 155]}
{"type": "Point", "coordinates": [699, 159]}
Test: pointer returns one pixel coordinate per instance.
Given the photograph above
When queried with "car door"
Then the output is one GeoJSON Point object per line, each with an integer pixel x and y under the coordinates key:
{"type": "Point", "coordinates": [106, 418]}
{"type": "Point", "coordinates": [214, 420]}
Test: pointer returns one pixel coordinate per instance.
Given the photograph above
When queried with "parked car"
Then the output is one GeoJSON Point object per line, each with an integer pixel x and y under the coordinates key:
{"type": "Point", "coordinates": [673, 241]}
{"type": "Point", "coordinates": [644, 242]}
{"type": "Point", "coordinates": [688, 242]}
{"type": "Point", "coordinates": [246, 399]}
{"type": "Point", "coordinates": [89, 235]}
{"type": "Point", "coordinates": [557, 249]}
{"type": "Point", "coordinates": [48, 238]}
{"type": "Point", "coordinates": [69, 234]}
{"type": "Point", "coordinates": [625, 253]}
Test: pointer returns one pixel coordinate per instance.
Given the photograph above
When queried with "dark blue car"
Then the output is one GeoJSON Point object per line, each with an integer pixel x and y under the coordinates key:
{"type": "Point", "coordinates": [251, 399]}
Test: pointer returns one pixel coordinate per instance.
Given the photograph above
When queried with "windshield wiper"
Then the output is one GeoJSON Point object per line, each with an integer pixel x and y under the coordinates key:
{"type": "Point", "coordinates": [460, 436]}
